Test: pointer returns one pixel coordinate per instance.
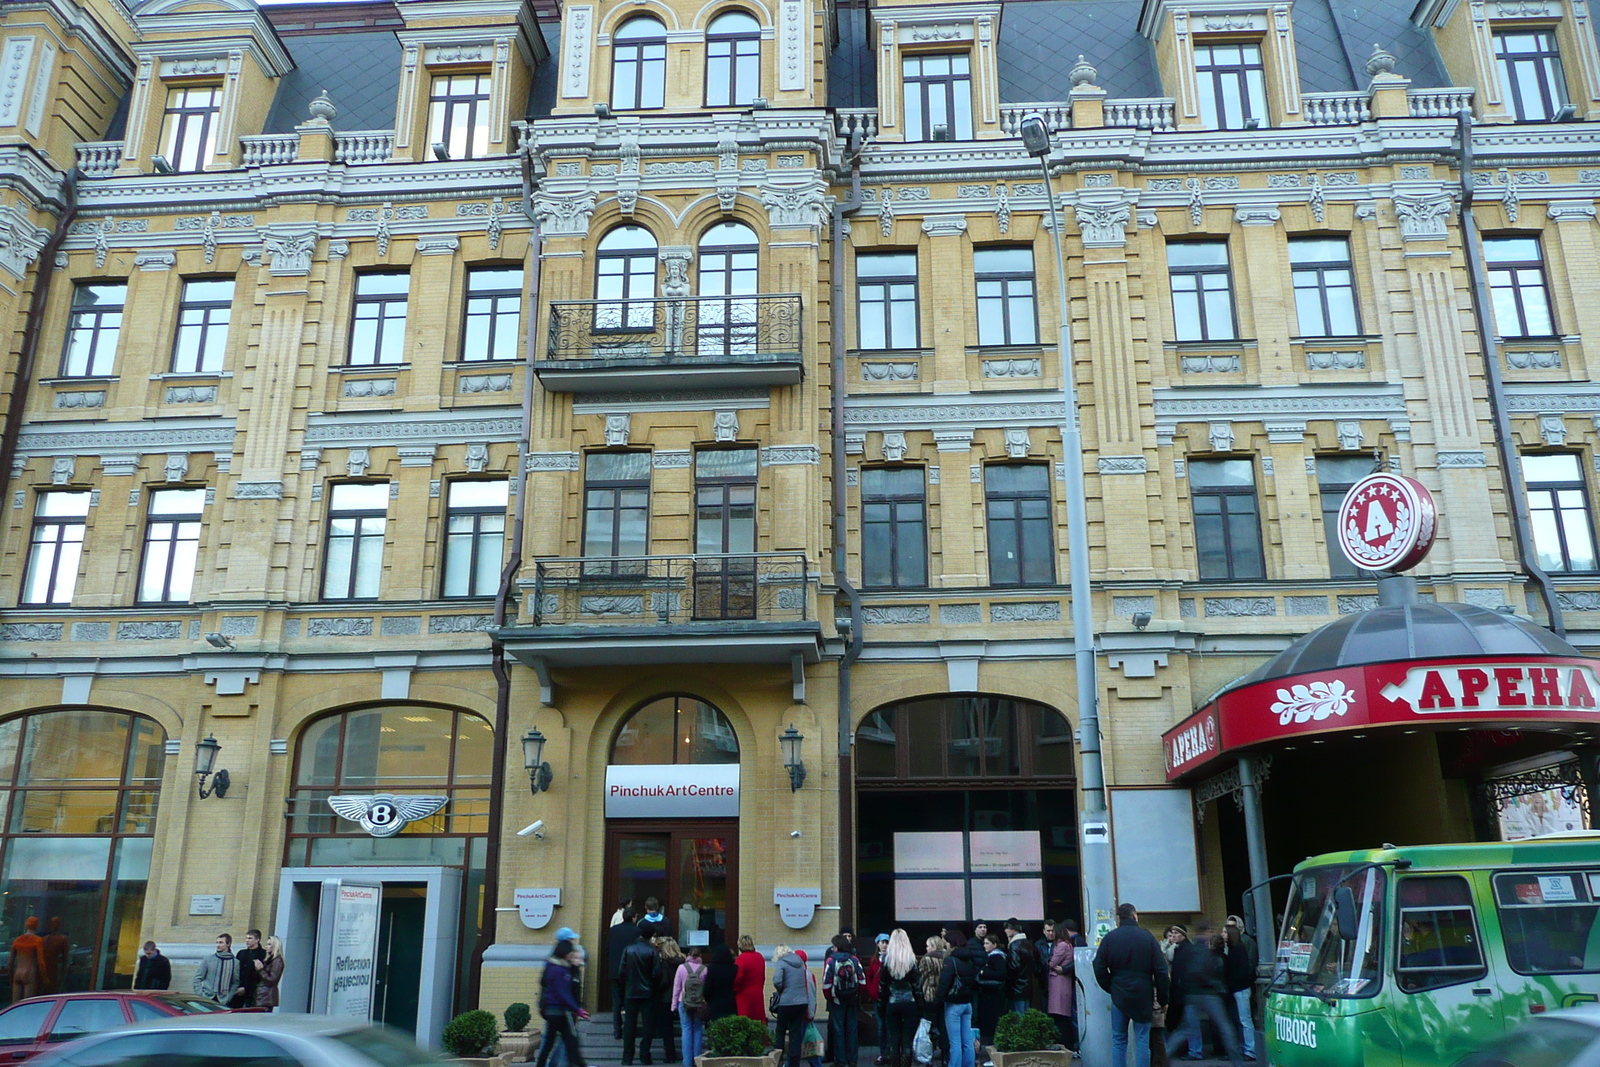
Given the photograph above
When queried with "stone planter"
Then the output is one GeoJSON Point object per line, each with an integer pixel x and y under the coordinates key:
{"type": "Point", "coordinates": [520, 1045]}
{"type": "Point", "coordinates": [771, 1059]}
{"type": "Point", "coordinates": [1047, 1057]}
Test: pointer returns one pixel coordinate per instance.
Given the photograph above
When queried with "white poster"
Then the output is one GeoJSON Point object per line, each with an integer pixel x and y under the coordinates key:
{"type": "Point", "coordinates": [998, 899]}
{"type": "Point", "coordinates": [1158, 865]}
{"type": "Point", "coordinates": [930, 899]}
{"type": "Point", "coordinates": [354, 960]}
{"type": "Point", "coordinates": [672, 791]}
{"type": "Point", "coordinates": [1549, 811]}
{"type": "Point", "coordinates": [930, 853]}
{"type": "Point", "coordinates": [1005, 851]}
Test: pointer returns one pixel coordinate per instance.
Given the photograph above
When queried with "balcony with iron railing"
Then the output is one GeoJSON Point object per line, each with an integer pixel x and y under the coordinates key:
{"type": "Point", "coordinates": [709, 608]}
{"type": "Point", "coordinates": [703, 342]}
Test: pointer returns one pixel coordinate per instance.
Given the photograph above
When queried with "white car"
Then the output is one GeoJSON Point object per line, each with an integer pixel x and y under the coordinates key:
{"type": "Point", "coordinates": [1568, 1038]}
{"type": "Point", "coordinates": [263, 1040]}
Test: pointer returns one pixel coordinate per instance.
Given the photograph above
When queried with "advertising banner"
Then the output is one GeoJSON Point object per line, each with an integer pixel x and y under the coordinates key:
{"type": "Point", "coordinates": [1017, 898]}
{"type": "Point", "coordinates": [673, 791]}
{"type": "Point", "coordinates": [930, 899]}
{"type": "Point", "coordinates": [930, 853]}
{"type": "Point", "coordinates": [353, 962]}
{"type": "Point", "coordinates": [1005, 851]}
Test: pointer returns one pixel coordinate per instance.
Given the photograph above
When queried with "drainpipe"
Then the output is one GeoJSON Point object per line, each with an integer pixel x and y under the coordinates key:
{"type": "Point", "coordinates": [1489, 342]}
{"type": "Point", "coordinates": [34, 327]}
{"type": "Point", "coordinates": [841, 567]}
{"type": "Point", "coordinates": [497, 650]}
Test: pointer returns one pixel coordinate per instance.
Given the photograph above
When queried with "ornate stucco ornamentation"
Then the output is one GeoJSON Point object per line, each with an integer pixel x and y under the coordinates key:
{"type": "Point", "coordinates": [290, 249]}
{"type": "Point", "coordinates": [795, 205]}
{"type": "Point", "coordinates": [1422, 217]}
{"type": "Point", "coordinates": [1103, 224]}
{"type": "Point", "coordinates": [564, 216]}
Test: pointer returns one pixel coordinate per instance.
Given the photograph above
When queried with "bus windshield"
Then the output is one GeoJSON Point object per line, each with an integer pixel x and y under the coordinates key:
{"type": "Point", "coordinates": [1315, 957]}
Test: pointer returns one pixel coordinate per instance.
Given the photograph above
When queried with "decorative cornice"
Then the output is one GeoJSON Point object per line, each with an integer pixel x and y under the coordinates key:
{"type": "Point", "coordinates": [386, 428]}
{"type": "Point", "coordinates": [128, 438]}
{"type": "Point", "coordinates": [917, 413]}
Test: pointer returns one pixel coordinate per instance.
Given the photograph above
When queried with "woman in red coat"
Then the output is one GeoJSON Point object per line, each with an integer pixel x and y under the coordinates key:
{"type": "Point", "coordinates": [750, 981]}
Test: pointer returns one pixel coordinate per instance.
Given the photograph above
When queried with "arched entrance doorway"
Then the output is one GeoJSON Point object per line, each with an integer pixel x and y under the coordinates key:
{"type": "Point", "coordinates": [967, 810]}
{"type": "Point", "coordinates": [672, 807]}
{"type": "Point", "coordinates": [81, 790]}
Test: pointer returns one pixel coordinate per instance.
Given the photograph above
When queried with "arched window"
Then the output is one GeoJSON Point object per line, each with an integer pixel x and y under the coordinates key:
{"type": "Point", "coordinates": [676, 729]}
{"type": "Point", "coordinates": [625, 271]}
{"type": "Point", "coordinates": [80, 790]}
{"type": "Point", "coordinates": [403, 749]}
{"type": "Point", "coordinates": [639, 64]}
{"type": "Point", "coordinates": [965, 736]}
{"type": "Point", "coordinates": [728, 268]}
{"type": "Point", "coordinates": [733, 60]}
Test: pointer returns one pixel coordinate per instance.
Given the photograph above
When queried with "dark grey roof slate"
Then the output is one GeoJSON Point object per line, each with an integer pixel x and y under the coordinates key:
{"type": "Point", "coordinates": [542, 93]}
{"type": "Point", "coordinates": [1324, 64]}
{"type": "Point", "coordinates": [852, 73]}
{"type": "Point", "coordinates": [1363, 23]}
{"type": "Point", "coordinates": [361, 72]}
{"type": "Point", "coordinates": [1040, 41]}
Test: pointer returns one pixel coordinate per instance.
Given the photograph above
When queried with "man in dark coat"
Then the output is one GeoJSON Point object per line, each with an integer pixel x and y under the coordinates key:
{"type": "Point", "coordinates": [618, 938]}
{"type": "Point", "coordinates": [1129, 965]}
{"type": "Point", "coordinates": [638, 973]}
{"type": "Point", "coordinates": [155, 970]}
{"type": "Point", "coordinates": [1205, 985]}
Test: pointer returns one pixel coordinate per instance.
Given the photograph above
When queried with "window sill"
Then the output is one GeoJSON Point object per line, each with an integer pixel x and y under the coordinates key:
{"type": "Point", "coordinates": [1344, 341]}
{"type": "Point", "coordinates": [889, 353]}
{"type": "Point", "coordinates": [473, 364]}
{"type": "Point", "coordinates": [89, 379]}
{"type": "Point", "coordinates": [1236, 344]}
{"type": "Point", "coordinates": [191, 376]}
{"type": "Point", "coordinates": [368, 368]}
{"type": "Point", "coordinates": [1010, 350]}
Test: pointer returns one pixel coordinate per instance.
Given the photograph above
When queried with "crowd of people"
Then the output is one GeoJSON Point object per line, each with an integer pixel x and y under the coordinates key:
{"type": "Point", "coordinates": [1166, 993]}
{"type": "Point", "coordinates": [248, 978]}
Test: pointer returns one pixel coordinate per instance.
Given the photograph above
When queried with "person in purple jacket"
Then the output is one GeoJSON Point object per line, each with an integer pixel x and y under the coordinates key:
{"type": "Point", "coordinates": [559, 1005]}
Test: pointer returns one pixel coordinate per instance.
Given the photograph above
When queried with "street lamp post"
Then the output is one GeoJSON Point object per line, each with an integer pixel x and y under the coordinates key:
{"type": "Point", "coordinates": [1098, 888]}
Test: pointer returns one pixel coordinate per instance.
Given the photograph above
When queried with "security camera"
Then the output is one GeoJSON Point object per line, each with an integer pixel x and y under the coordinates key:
{"type": "Point", "coordinates": [794, 833]}
{"type": "Point", "coordinates": [535, 828]}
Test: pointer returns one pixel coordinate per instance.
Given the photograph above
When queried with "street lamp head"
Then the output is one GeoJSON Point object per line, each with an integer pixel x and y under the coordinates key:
{"type": "Point", "coordinates": [791, 740]}
{"type": "Point", "coordinates": [205, 754]}
{"type": "Point", "coordinates": [539, 772]}
{"type": "Point", "coordinates": [1035, 135]}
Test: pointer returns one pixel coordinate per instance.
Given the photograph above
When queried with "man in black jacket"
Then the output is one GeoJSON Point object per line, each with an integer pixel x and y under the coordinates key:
{"type": "Point", "coordinates": [1022, 964]}
{"type": "Point", "coordinates": [958, 988]}
{"type": "Point", "coordinates": [155, 970]}
{"type": "Point", "coordinates": [1129, 965]}
{"type": "Point", "coordinates": [618, 938]}
{"type": "Point", "coordinates": [1205, 984]}
{"type": "Point", "coordinates": [638, 972]}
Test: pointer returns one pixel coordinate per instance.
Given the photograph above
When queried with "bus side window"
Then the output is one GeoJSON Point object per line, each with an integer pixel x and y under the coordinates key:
{"type": "Point", "coordinates": [1550, 920]}
{"type": "Point", "coordinates": [1438, 942]}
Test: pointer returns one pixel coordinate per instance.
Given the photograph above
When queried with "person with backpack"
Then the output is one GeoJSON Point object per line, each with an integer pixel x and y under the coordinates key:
{"type": "Point", "coordinates": [958, 988]}
{"type": "Point", "coordinates": [689, 1001]}
{"type": "Point", "coordinates": [994, 982]}
{"type": "Point", "coordinates": [899, 997]}
{"type": "Point", "coordinates": [843, 980]}
{"type": "Point", "coordinates": [1023, 962]}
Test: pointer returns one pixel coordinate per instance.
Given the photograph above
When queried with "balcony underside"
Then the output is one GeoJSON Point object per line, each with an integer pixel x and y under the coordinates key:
{"type": "Point", "coordinates": [651, 373]}
{"type": "Point", "coordinates": [695, 642]}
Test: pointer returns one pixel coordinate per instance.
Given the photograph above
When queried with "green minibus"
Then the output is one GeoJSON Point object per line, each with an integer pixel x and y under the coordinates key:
{"type": "Point", "coordinates": [1416, 956]}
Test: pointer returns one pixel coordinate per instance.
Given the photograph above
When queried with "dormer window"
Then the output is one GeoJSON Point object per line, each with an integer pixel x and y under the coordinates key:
{"type": "Point", "coordinates": [938, 97]}
{"type": "Point", "coordinates": [639, 65]}
{"type": "Point", "coordinates": [1232, 84]}
{"type": "Point", "coordinates": [458, 115]}
{"type": "Point", "coordinates": [733, 60]}
{"type": "Point", "coordinates": [1531, 79]}
{"type": "Point", "coordinates": [189, 130]}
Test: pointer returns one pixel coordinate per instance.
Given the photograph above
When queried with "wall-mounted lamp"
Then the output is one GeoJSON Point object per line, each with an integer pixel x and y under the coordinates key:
{"type": "Point", "coordinates": [539, 773]}
{"type": "Point", "coordinates": [205, 758]}
{"type": "Point", "coordinates": [790, 740]}
{"type": "Point", "coordinates": [1141, 619]}
{"type": "Point", "coordinates": [220, 641]}
{"type": "Point", "coordinates": [441, 152]}
{"type": "Point", "coordinates": [161, 164]}
{"type": "Point", "coordinates": [602, 111]}
{"type": "Point", "coordinates": [1565, 113]}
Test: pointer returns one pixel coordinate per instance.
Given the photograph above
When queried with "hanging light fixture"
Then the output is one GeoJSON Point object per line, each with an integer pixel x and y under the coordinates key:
{"type": "Point", "coordinates": [539, 773]}
{"type": "Point", "coordinates": [205, 759]}
{"type": "Point", "coordinates": [790, 739]}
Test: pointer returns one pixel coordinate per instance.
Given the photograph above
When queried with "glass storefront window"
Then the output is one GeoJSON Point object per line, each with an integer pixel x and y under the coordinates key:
{"type": "Point", "coordinates": [79, 794]}
{"type": "Point", "coordinates": [965, 737]}
{"type": "Point", "coordinates": [675, 730]}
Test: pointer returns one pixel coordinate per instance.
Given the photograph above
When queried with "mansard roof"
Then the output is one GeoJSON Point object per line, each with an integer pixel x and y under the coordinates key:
{"type": "Point", "coordinates": [360, 71]}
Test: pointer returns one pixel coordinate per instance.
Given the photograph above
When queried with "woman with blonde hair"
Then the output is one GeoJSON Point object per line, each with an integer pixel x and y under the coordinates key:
{"type": "Point", "coordinates": [269, 972]}
{"type": "Point", "coordinates": [928, 969]}
{"type": "Point", "coordinates": [899, 997]}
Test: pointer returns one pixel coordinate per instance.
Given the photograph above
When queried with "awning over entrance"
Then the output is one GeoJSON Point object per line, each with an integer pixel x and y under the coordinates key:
{"type": "Point", "coordinates": [1411, 667]}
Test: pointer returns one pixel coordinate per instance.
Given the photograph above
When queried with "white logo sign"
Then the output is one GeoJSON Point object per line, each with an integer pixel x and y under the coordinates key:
{"type": "Point", "coordinates": [797, 906]}
{"type": "Point", "coordinates": [672, 791]}
{"type": "Point", "coordinates": [1386, 523]}
{"type": "Point", "coordinates": [537, 905]}
{"type": "Point", "coordinates": [1313, 702]}
{"type": "Point", "coordinates": [385, 814]}
{"type": "Point", "coordinates": [1495, 687]}
{"type": "Point", "coordinates": [1302, 1032]}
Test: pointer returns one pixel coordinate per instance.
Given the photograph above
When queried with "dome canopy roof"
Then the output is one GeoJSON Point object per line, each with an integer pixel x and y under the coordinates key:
{"type": "Point", "coordinates": [1410, 631]}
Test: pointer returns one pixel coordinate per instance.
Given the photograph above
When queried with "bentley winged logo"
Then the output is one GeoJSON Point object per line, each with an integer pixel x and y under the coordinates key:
{"type": "Point", "coordinates": [385, 814]}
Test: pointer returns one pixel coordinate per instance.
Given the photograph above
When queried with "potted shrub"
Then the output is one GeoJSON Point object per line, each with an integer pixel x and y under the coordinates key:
{"type": "Point", "coordinates": [470, 1037]}
{"type": "Point", "coordinates": [1028, 1040]}
{"type": "Point", "coordinates": [515, 1040]}
{"type": "Point", "coordinates": [735, 1041]}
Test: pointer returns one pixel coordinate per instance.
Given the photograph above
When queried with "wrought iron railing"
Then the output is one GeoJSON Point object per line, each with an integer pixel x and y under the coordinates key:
{"type": "Point", "coordinates": [671, 590]}
{"type": "Point", "coordinates": [711, 329]}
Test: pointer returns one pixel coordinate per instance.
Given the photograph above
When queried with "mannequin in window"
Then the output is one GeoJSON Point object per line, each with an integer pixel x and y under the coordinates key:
{"type": "Point", "coordinates": [57, 948]}
{"type": "Point", "coordinates": [27, 961]}
{"type": "Point", "coordinates": [688, 920]}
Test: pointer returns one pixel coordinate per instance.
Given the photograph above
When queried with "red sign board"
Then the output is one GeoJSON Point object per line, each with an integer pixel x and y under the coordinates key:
{"type": "Point", "coordinates": [1386, 523]}
{"type": "Point", "coordinates": [1501, 690]}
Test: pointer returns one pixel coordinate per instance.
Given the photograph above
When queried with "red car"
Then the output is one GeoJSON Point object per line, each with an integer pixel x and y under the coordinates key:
{"type": "Point", "coordinates": [31, 1026]}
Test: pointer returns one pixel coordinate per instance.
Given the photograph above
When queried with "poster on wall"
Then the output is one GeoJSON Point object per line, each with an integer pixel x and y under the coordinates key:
{"type": "Point", "coordinates": [930, 899]}
{"type": "Point", "coordinates": [1549, 811]}
{"type": "Point", "coordinates": [353, 962]}
{"type": "Point", "coordinates": [930, 853]}
{"type": "Point", "coordinates": [1157, 861]}
{"type": "Point", "coordinates": [1005, 852]}
{"type": "Point", "coordinates": [1014, 898]}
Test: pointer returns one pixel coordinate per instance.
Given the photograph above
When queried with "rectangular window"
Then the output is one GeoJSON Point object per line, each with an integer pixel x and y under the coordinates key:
{"type": "Point", "coordinates": [1233, 86]}
{"type": "Point", "coordinates": [616, 504]}
{"type": "Point", "coordinates": [1550, 920]}
{"type": "Point", "coordinates": [938, 97]}
{"type": "Point", "coordinates": [1335, 476]}
{"type": "Point", "coordinates": [1202, 291]}
{"type": "Point", "coordinates": [1227, 522]}
{"type": "Point", "coordinates": [1022, 548]}
{"type": "Point", "coordinates": [1006, 314]}
{"type": "Point", "coordinates": [59, 521]}
{"type": "Point", "coordinates": [1324, 287]}
{"type": "Point", "coordinates": [1517, 287]}
{"type": "Point", "coordinates": [475, 533]}
{"type": "Point", "coordinates": [725, 533]}
{"type": "Point", "coordinates": [458, 115]}
{"type": "Point", "coordinates": [1558, 511]}
{"type": "Point", "coordinates": [202, 339]}
{"type": "Point", "coordinates": [894, 528]}
{"type": "Point", "coordinates": [92, 332]}
{"type": "Point", "coordinates": [378, 329]}
{"type": "Point", "coordinates": [1531, 80]}
{"type": "Point", "coordinates": [171, 545]}
{"type": "Point", "coordinates": [357, 517]}
{"type": "Point", "coordinates": [1438, 942]}
{"type": "Point", "coordinates": [189, 129]}
{"type": "Point", "coordinates": [494, 314]}
{"type": "Point", "coordinates": [886, 301]}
